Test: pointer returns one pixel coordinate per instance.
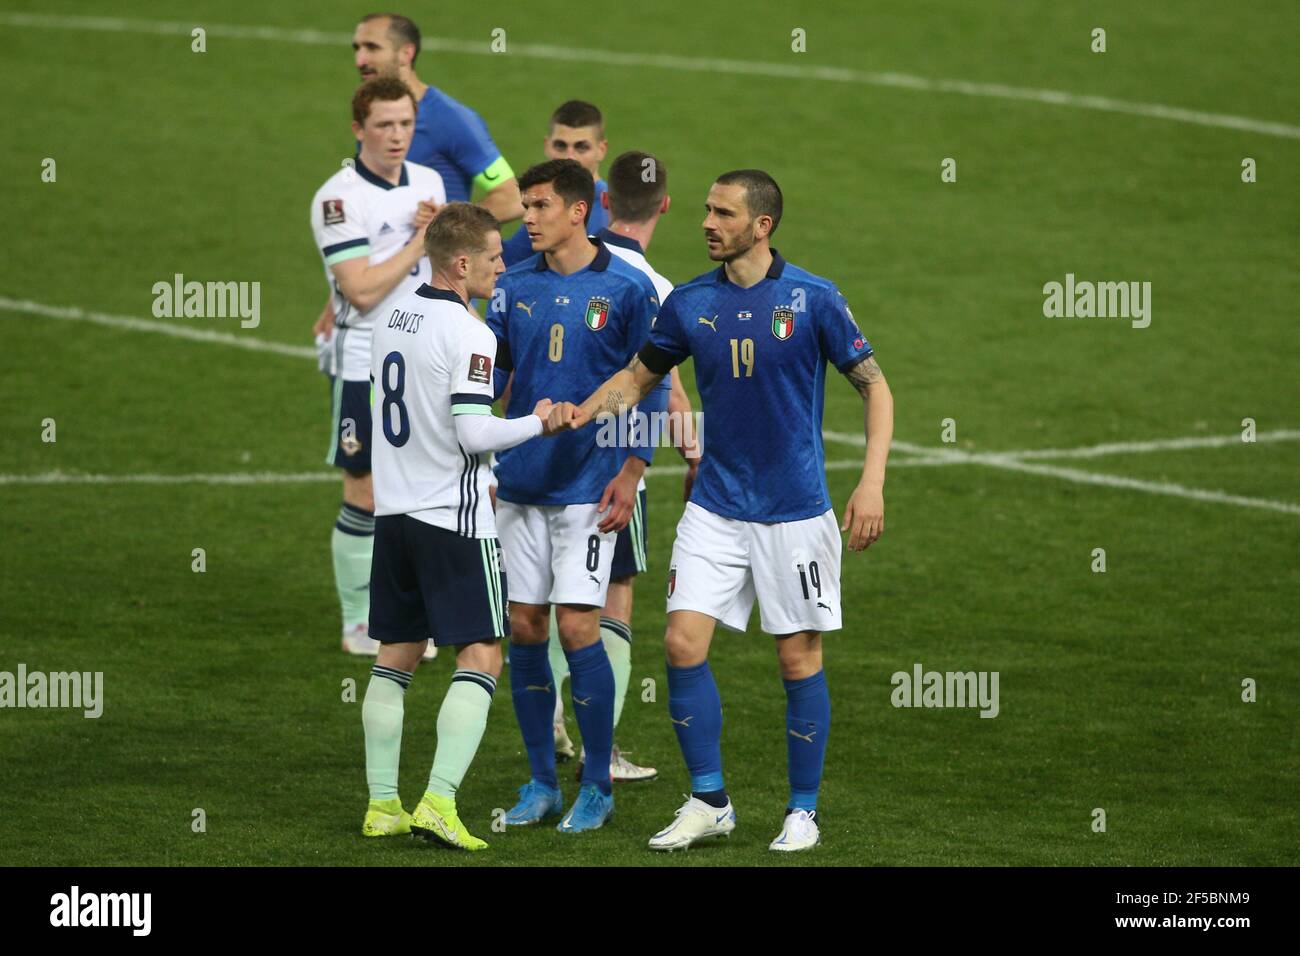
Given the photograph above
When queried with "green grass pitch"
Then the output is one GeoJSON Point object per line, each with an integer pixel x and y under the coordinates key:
{"type": "Point", "coordinates": [1119, 690]}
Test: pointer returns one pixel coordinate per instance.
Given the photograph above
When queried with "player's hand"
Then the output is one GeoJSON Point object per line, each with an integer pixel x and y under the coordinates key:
{"type": "Point", "coordinates": [692, 466]}
{"type": "Point", "coordinates": [559, 417]}
{"type": "Point", "coordinates": [325, 322]}
{"type": "Point", "coordinates": [424, 214]}
{"type": "Point", "coordinates": [620, 499]}
{"type": "Point", "coordinates": [543, 410]}
{"type": "Point", "coordinates": [864, 516]}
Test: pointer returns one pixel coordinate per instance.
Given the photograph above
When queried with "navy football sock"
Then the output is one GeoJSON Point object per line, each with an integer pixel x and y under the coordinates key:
{"type": "Point", "coordinates": [696, 712]}
{"type": "Point", "coordinates": [533, 691]}
{"type": "Point", "coordinates": [591, 683]}
{"type": "Point", "coordinates": [807, 721]}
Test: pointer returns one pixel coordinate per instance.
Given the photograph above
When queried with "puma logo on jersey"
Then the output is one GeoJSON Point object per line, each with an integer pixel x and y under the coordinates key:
{"type": "Point", "coordinates": [711, 323]}
{"type": "Point", "coordinates": [820, 604]}
{"type": "Point", "coordinates": [545, 689]}
{"type": "Point", "coordinates": [580, 702]}
{"type": "Point", "coordinates": [808, 737]}
{"type": "Point", "coordinates": [527, 308]}
{"type": "Point", "coordinates": [594, 578]}
{"type": "Point", "coordinates": [684, 722]}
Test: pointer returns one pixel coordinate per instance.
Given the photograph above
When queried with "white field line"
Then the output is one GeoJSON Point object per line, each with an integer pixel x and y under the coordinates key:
{"type": "Point", "coordinates": [149, 325]}
{"type": "Point", "coordinates": [939, 455]}
{"type": "Point", "coordinates": [295, 478]}
{"type": "Point", "coordinates": [791, 71]}
{"type": "Point", "coordinates": [1013, 461]}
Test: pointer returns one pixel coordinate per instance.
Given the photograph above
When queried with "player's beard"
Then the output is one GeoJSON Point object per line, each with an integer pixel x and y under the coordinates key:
{"type": "Point", "coordinates": [741, 246]}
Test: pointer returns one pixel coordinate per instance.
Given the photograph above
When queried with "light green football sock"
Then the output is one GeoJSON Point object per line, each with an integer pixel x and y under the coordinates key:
{"type": "Point", "coordinates": [617, 638]}
{"type": "Point", "coordinates": [381, 716]}
{"type": "Point", "coordinates": [555, 651]}
{"type": "Point", "coordinates": [461, 722]}
{"type": "Point", "coordinates": [353, 544]}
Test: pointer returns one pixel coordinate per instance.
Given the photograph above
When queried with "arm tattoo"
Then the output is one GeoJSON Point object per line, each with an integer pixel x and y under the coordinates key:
{"type": "Point", "coordinates": [613, 402]}
{"type": "Point", "coordinates": [865, 374]}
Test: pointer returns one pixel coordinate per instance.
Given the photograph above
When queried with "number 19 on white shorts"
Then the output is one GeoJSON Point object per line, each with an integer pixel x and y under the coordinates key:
{"type": "Point", "coordinates": [720, 565]}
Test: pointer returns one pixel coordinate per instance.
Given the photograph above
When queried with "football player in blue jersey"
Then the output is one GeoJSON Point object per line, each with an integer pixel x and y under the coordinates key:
{"type": "Point", "coordinates": [759, 523]}
{"type": "Point", "coordinates": [577, 132]}
{"type": "Point", "coordinates": [565, 320]}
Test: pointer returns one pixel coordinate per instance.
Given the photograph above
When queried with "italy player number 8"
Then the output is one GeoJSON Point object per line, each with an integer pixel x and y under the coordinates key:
{"type": "Point", "coordinates": [393, 399]}
{"type": "Point", "coordinates": [593, 553]}
{"type": "Point", "coordinates": [556, 350]}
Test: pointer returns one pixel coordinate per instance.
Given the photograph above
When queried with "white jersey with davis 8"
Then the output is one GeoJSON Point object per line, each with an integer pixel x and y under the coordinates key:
{"type": "Point", "coordinates": [432, 361]}
{"type": "Point", "coordinates": [358, 213]}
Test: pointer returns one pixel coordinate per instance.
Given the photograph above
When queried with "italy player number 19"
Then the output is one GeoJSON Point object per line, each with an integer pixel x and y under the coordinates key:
{"type": "Point", "coordinates": [393, 399]}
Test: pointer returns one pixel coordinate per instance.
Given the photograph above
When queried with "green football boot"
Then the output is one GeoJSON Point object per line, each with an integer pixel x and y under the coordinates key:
{"type": "Point", "coordinates": [435, 820]}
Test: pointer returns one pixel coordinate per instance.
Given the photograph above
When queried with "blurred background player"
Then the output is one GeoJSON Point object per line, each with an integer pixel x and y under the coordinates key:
{"type": "Point", "coordinates": [577, 132]}
{"type": "Point", "coordinates": [759, 522]}
{"type": "Point", "coordinates": [565, 319]}
{"type": "Point", "coordinates": [437, 569]}
{"type": "Point", "coordinates": [636, 197]}
{"type": "Point", "coordinates": [368, 222]}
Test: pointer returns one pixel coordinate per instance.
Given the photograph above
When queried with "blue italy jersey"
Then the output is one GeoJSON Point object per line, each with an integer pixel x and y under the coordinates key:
{"type": "Point", "coordinates": [563, 336]}
{"type": "Point", "coordinates": [517, 248]}
{"type": "Point", "coordinates": [451, 138]}
{"type": "Point", "coordinates": [760, 365]}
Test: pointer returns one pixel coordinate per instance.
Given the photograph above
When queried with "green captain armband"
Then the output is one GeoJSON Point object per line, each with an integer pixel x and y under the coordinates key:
{"type": "Point", "coordinates": [493, 176]}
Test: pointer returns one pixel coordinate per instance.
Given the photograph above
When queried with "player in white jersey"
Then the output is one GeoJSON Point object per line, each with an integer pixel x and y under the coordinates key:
{"type": "Point", "coordinates": [368, 220]}
{"type": "Point", "coordinates": [635, 197]}
{"type": "Point", "coordinates": [437, 571]}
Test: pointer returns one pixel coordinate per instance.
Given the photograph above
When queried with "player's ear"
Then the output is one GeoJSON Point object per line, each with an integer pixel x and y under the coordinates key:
{"type": "Point", "coordinates": [604, 200]}
{"type": "Point", "coordinates": [663, 206]}
{"type": "Point", "coordinates": [762, 227]}
{"type": "Point", "coordinates": [356, 130]}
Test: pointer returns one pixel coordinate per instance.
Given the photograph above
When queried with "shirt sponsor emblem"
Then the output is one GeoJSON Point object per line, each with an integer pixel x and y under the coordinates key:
{"type": "Point", "coordinates": [744, 316]}
{"type": "Point", "coordinates": [783, 323]}
{"type": "Point", "coordinates": [480, 369]}
{"type": "Point", "coordinates": [333, 209]}
{"type": "Point", "coordinates": [597, 312]}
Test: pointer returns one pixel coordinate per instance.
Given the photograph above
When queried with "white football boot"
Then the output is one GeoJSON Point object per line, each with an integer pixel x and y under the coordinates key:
{"type": "Point", "coordinates": [695, 820]}
{"type": "Point", "coordinates": [357, 640]}
{"type": "Point", "coordinates": [621, 770]}
{"type": "Point", "coordinates": [430, 651]}
{"type": "Point", "coordinates": [798, 832]}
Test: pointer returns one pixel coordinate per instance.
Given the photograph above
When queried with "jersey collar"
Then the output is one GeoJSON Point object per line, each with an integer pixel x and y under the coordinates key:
{"type": "Point", "coordinates": [375, 179]}
{"type": "Point", "coordinates": [429, 292]}
{"type": "Point", "coordinates": [623, 242]}
{"type": "Point", "coordinates": [773, 271]}
{"type": "Point", "coordinates": [598, 264]}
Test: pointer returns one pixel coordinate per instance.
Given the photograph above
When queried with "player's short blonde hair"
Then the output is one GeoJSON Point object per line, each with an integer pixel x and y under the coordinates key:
{"type": "Point", "coordinates": [459, 228]}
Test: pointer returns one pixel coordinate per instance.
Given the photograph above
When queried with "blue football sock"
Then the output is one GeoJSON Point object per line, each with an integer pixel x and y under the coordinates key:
{"type": "Point", "coordinates": [696, 712]}
{"type": "Point", "coordinates": [591, 683]}
{"type": "Point", "coordinates": [807, 721]}
{"type": "Point", "coordinates": [533, 691]}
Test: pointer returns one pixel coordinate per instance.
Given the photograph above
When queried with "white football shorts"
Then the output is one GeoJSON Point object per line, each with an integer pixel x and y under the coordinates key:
{"type": "Point", "coordinates": [720, 565]}
{"type": "Point", "coordinates": [554, 554]}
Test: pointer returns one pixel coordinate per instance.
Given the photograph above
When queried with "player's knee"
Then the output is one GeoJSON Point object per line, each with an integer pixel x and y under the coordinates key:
{"type": "Point", "coordinates": [482, 656]}
{"type": "Point", "coordinates": [682, 650]}
{"type": "Point", "coordinates": [529, 624]}
{"type": "Point", "coordinates": [799, 655]}
{"type": "Point", "coordinates": [578, 629]}
{"type": "Point", "coordinates": [359, 490]}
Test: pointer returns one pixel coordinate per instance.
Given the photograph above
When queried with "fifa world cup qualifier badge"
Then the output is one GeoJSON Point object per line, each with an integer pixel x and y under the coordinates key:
{"type": "Point", "coordinates": [597, 312]}
{"type": "Point", "coordinates": [783, 323]}
{"type": "Point", "coordinates": [672, 580]}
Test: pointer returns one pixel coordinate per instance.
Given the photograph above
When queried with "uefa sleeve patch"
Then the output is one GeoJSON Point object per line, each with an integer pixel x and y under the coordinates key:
{"type": "Point", "coordinates": [333, 209]}
{"type": "Point", "coordinates": [480, 369]}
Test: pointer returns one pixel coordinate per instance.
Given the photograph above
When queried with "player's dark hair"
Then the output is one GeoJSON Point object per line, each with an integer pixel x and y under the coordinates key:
{"type": "Point", "coordinates": [383, 89]}
{"type": "Point", "coordinates": [458, 228]}
{"type": "Point", "coordinates": [638, 183]}
{"type": "Point", "coordinates": [762, 194]}
{"type": "Point", "coordinates": [578, 113]}
{"type": "Point", "coordinates": [568, 177]}
{"type": "Point", "coordinates": [401, 30]}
